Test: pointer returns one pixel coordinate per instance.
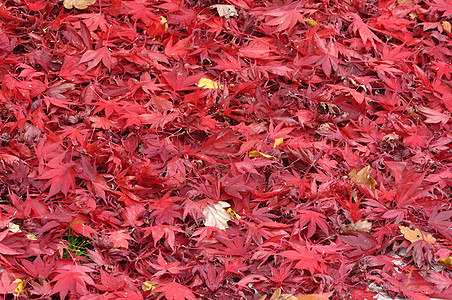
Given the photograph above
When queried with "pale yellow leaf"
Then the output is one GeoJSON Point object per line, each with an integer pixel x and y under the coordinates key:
{"type": "Point", "coordinates": [14, 227]}
{"type": "Point", "coordinates": [216, 215]}
{"type": "Point", "coordinates": [225, 10]}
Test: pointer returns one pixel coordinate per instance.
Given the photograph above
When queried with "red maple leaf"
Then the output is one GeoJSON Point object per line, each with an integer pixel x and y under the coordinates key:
{"type": "Point", "coordinates": [307, 259]}
{"type": "Point", "coordinates": [163, 267]}
{"type": "Point", "coordinates": [120, 239]}
{"type": "Point", "coordinates": [94, 57]}
{"type": "Point", "coordinates": [61, 175]}
{"type": "Point", "coordinates": [443, 5]}
{"type": "Point", "coordinates": [285, 19]}
{"type": "Point", "coordinates": [175, 291]}
{"type": "Point", "coordinates": [314, 219]}
{"type": "Point", "coordinates": [73, 279]}
{"type": "Point", "coordinates": [364, 31]}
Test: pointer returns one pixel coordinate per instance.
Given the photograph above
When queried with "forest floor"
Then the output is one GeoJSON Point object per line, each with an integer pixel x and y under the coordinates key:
{"type": "Point", "coordinates": [234, 150]}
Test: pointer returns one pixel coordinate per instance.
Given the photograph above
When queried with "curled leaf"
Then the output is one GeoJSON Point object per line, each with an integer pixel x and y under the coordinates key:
{"type": "Point", "coordinates": [225, 10]}
{"type": "Point", "coordinates": [364, 226]}
{"type": "Point", "coordinates": [363, 177]}
{"type": "Point", "coordinates": [258, 154]}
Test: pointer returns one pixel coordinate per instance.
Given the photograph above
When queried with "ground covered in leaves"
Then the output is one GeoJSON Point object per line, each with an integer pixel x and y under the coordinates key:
{"type": "Point", "coordinates": [233, 150]}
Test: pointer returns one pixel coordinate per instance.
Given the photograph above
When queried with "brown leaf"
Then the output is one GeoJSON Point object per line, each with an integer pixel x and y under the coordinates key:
{"type": "Point", "coordinates": [363, 177]}
{"type": "Point", "coordinates": [79, 4]}
{"type": "Point", "coordinates": [416, 235]}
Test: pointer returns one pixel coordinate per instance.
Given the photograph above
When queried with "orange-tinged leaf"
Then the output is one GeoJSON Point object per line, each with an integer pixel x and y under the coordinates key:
{"type": "Point", "coordinates": [416, 235]}
{"type": "Point", "coordinates": [446, 261]}
{"type": "Point", "coordinates": [363, 177]}
{"type": "Point", "coordinates": [312, 297]}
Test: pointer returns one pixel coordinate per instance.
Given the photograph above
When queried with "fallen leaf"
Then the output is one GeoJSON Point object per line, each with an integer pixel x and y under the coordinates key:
{"type": "Point", "coordinates": [120, 239]}
{"type": "Point", "coordinates": [225, 10]}
{"type": "Point", "coordinates": [255, 154]}
{"type": "Point", "coordinates": [233, 213]}
{"type": "Point", "coordinates": [79, 4]}
{"type": "Point", "coordinates": [278, 142]}
{"type": "Point", "coordinates": [207, 83]}
{"type": "Point", "coordinates": [416, 235]}
{"type": "Point", "coordinates": [216, 215]}
{"type": "Point", "coordinates": [360, 225]}
{"type": "Point", "coordinates": [20, 287]}
{"type": "Point", "coordinates": [363, 177]}
{"type": "Point", "coordinates": [446, 261]}
{"type": "Point", "coordinates": [148, 286]}
{"type": "Point", "coordinates": [312, 297]}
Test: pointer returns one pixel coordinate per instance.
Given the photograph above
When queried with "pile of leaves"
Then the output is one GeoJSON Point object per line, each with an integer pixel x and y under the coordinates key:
{"type": "Point", "coordinates": [186, 149]}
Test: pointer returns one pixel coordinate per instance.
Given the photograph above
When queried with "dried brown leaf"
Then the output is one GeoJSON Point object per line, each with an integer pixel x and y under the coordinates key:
{"type": "Point", "coordinates": [363, 177]}
{"type": "Point", "coordinates": [416, 235]}
{"type": "Point", "coordinates": [79, 4]}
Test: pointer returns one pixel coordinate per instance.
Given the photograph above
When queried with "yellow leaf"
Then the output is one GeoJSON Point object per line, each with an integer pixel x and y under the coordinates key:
{"type": "Point", "coordinates": [14, 228]}
{"type": "Point", "coordinates": [363, 177]}
{"type": "Point", "coordinates": [446, 261]}
{"type": "Point", "coordinates": [254, 154]}
{"type": "Point", "coordinates": [233, 213]}
{"type": "Point", "coordinates": [278, 142]}
{"type": "Point", "coordinates": [20, 287]}
{"type": "Point", "coordinates": [164, 22]}
{"type": "Point", "coordinates": [416, 235]}
{"type": "Point", "coordinates": [311, 22]}
{"type": "Point", "coordinates": [148, 286]}
{"type": "Point", "coordinates": [79, 4]}
{"type": "Point", "coordinates": [207, 83]}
